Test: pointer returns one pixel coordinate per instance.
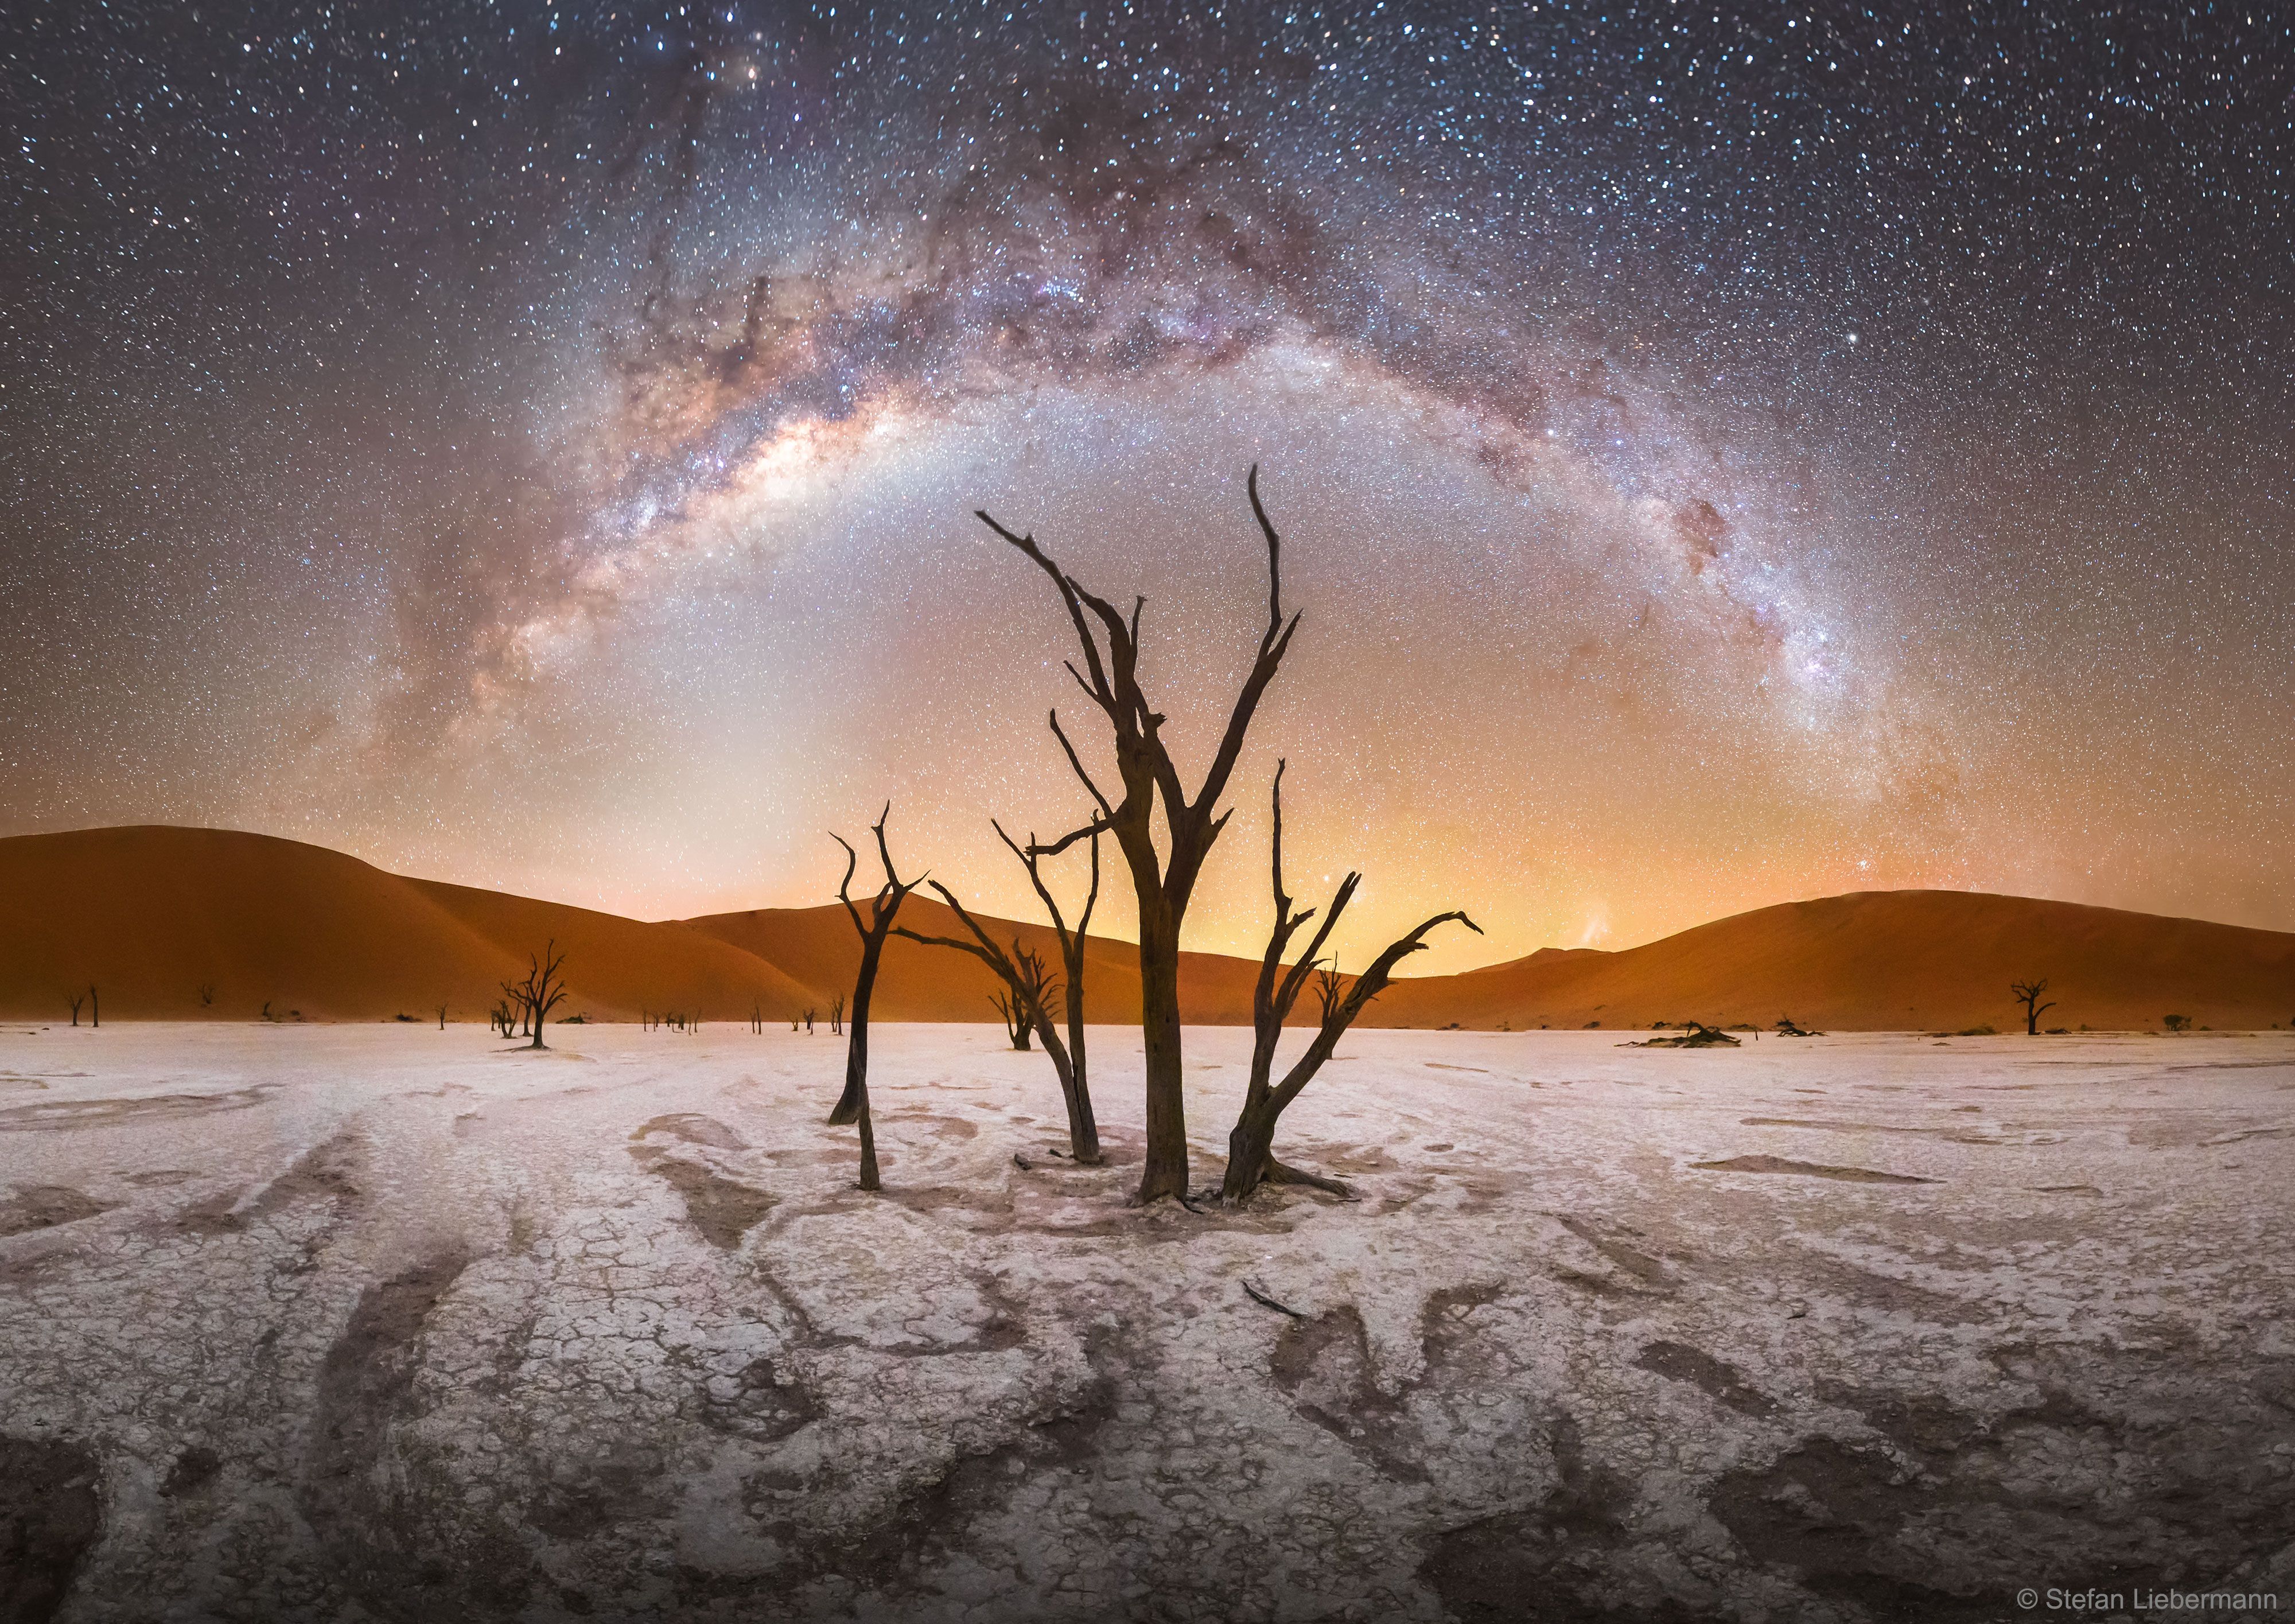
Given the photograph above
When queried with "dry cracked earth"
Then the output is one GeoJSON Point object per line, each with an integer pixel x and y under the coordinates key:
{"type": "Point", "coordinates": [383, 1324]}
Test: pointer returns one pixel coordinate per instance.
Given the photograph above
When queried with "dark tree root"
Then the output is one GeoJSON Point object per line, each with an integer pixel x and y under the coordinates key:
{"type": "Point", "coordinates": [1279, 1173]}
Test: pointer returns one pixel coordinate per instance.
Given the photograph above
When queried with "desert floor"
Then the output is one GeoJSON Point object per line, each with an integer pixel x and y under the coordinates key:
{"type": "Point", "coordinates": [391, 1323]}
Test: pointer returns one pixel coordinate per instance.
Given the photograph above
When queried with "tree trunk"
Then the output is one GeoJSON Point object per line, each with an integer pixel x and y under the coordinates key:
{"type": "Point", "coordinates": [853, 1105]}
{"type": "Point", "coordinates": [868, 1180]}
{"type": "Point", "coordinates": [1166, 1169]}
{"type": "Point", "coordinates": [1083, 1128]}
{"type": "Point", "coordinates": [1250, 1148]}
{"type": "Point", "coordinates": [1083, 1132]}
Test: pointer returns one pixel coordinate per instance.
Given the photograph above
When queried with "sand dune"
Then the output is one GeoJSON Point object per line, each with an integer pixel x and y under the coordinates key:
{"type": "Point", "coordinates": [1887, 961]}
{"type": "Point", "coordinates": [151, 913]}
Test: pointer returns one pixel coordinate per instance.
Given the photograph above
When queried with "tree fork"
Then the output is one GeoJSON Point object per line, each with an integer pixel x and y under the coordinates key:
{"type": "Point", "coordinates": [853, 1105]}
{"type": "Point", "coordinates": [1164, 883]}
{"type": "Point", "coordinates": [1251, 1156]}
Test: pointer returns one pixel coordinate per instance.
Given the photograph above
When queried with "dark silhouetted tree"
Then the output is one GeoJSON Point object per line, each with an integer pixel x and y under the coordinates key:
{"type": "Point", "coordinates": [207, 995]}
{"type": "Point", "coordinates": [1165, 882]}
{"type": "Point", "coordinates": [1026, 994]}
{"type": "Point", "coordinates": [2028, 993]}
{"type": "Point", "coordinates": [94, 1006]}
{"type": "Point", "coordinates": [441, 1018]}
{"type": "Point", "coordinates": [1069, 1057]}
{"type": "Point", "coordinates": [515, 996]}
{"type": "Point", "coordinates": [1010, 1000]}
{"type": "Point", "coordinates": [541, 991]}
{"type": "Point", "coordinates": [78, 1002]}
{"type": "Point", "coordinates": [836, 1016]}
{"type": "Point", "coordinates": [853, 1105]}
{"type": "Point", "coordinates": [1251, 1156]}
{"type": "Point", "coordinates": [1013, 1007]}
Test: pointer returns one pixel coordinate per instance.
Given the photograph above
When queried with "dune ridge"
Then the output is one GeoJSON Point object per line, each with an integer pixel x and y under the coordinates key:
{"type": "Point", "coordinates": [151, 913]}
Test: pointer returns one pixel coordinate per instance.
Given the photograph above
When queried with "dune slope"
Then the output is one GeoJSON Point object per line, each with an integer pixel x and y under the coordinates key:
{"type": "Point", "coordinates": [152, 914]}
{"type": "Point", "coordinates": [1888, 961]}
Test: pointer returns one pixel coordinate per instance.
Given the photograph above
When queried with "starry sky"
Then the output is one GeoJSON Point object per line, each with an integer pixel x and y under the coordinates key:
{"type": "Point", "coordinates": [1726, 454]}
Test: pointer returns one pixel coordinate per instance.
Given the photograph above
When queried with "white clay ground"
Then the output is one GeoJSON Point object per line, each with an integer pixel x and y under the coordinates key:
{"type": "Point", "coordinates": [366, 1323]}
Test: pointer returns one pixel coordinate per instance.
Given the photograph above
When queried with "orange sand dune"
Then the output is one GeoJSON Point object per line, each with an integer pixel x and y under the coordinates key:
{"type": "Point", "coordinates": [1886, 960]}
{"type": "Point", "coordinates": [150, 913]}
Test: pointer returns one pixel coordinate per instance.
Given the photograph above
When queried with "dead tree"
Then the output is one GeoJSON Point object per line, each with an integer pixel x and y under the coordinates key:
{"type": "Point", "coordinates": [836, 1016]}
{"type": "Point", "coordinates": [79, 999]}
{"type": "Point", "coordinates": [441, 1018]}
{"type": "Point", "coordinates": [94, 1006]}
{"type": "Point", "coordinates": [1251, 1152]}
{"type": "Point", "coordinates": [1010, 1000]}
{"type": "Point", "coordinates": [795, 1021]}
{"type": "Point", "coordinates": [756, 1016]}
{"type": "Point", "coordinates": [207, 995]}
{"type": "Point", "coordinates": [1075, 1085]}
{"type": "Point", "coordinates": [853, 1105]}
{"type": "Point", "coordinates": [541, 991]}
{"type": "Point", "coordinates": [1013, 1007]}
{"type": "Point", "coordinates": [809, 1013]}
{"type": "Point", "coordinates": [514, 1005]}
{"type": "Point", "coordinates": [1025, 995]}
{"type": "Point", "coordinates": [1165, 882]}
{"type": "Point", "coordinates": [2028, 993]}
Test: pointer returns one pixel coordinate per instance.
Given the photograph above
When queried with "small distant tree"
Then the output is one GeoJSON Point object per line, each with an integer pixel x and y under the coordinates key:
{"type": "Point", "coordinates": [207, 995]}
{"type": "Point", "coordinates": [78, 1002]}
{"type": "Point", "coordinates": [1010, 1001]}
{"type": "Point", "coordinates": [441, 1018]}
{"type": "Point", "coordinates": [2177, 1023]}
{"type": "Point", "coordinates": [514, 997]}
{"type": "Point", "coordinates": [853, 1105]}
{"type": "Point", "coordinates": [795, 1021]}
{"type": "Point", "coordinates": [756, 1016]}
{"type": "Point", "coordinates": [1251, 1154]}
{"type": "Point", "coordinates": [1013, 1007]}
{"type": "Point", "coordinates": [809, 1013]}
{"type": "Point", "coordinates": [836, 1016]}
{"type": "Point", "coordinates": [94, 1006]}
{"type": "Point", "coordinates": [2028, 993]}
{"type": "Point", "coordinates": [541, 991]}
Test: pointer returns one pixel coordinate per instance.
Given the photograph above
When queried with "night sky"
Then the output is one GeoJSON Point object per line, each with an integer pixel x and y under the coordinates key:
{"type": "Point", "coordinates": [1726, 454]}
